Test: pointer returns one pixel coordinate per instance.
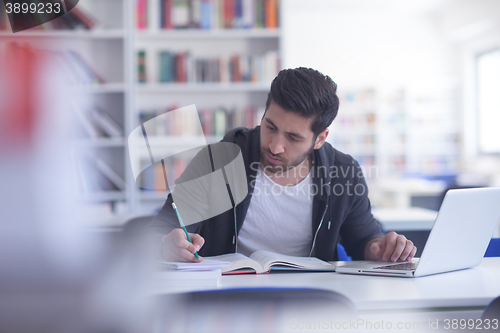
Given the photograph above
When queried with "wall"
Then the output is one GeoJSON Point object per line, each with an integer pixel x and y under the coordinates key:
{"type": "Point", "coordinates": [365, 43]}
{"type": "Point", "coordinates": [472, 27]}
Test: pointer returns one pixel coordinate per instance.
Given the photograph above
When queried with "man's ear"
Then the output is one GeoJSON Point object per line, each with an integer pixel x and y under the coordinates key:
{"type": "Point", "coordinates": [321, 138]}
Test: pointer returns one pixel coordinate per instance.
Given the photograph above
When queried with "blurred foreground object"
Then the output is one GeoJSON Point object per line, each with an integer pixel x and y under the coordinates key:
{"type": "Point", "coordinates": [254, 310]}
{"type": "Point", "coordinates": [54, 276]}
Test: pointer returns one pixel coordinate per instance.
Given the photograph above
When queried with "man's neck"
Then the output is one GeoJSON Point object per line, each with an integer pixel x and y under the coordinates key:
{"type": "Point", "coordinates": [292, 176]}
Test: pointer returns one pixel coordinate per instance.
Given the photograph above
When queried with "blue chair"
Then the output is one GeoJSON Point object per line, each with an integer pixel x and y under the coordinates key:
{"type": "Point", "coordinates": [342, 254]}
{"type": "Point", "coordinates": [493, 249]}
{"type": "Point", "coordinates": [492, 310]}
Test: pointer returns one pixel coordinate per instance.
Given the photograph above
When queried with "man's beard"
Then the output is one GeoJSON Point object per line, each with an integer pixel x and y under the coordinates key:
{"type": "Point", "coordinates": [275, 169]}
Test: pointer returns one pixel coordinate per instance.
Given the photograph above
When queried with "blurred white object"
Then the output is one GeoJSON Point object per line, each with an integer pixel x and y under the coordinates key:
{"type": "Point", "coordinates": [54, 277]}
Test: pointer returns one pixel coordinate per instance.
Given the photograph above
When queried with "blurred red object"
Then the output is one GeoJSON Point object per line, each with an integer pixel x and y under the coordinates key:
{"type": "Point", "coordinates": [20, 81]}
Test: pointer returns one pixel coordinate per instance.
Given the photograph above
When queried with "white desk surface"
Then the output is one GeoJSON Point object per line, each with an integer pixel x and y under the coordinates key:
{"type": "Point", "coordinates": [475, 287]}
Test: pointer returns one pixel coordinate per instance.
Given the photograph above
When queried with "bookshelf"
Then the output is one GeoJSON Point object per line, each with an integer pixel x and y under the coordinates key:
{"type": "Point", "coordinates": [214, 43]}
{"type": "Point", "coordinates": [396, 129]}
{"type": "Point", "coordinates": [399, 131]}
{"type": "Point", "coordinates": [110, 48]}
{"type": "Point", "coordinates": [93, 56]}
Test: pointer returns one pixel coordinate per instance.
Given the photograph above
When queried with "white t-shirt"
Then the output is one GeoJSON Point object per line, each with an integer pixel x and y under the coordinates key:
{"type": "Point", "coordinates": [278, 219]}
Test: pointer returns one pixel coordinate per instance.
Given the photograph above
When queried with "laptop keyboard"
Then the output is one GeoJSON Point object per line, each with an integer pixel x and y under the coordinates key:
{"type": "Point", "coordinates": [407, 266]}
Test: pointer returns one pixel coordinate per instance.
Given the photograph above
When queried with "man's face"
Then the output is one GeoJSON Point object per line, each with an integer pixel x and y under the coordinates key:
{"type": "Point", "coordinates": [286, 139]}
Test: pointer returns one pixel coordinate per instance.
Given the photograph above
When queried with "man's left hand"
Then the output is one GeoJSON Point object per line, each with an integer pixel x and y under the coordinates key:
{"type": "Point", "coordinates": [391, 247]}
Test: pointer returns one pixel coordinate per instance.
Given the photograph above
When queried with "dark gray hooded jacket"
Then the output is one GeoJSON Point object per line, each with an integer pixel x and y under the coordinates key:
{"type": "Point", "coordinates": [341, 208]}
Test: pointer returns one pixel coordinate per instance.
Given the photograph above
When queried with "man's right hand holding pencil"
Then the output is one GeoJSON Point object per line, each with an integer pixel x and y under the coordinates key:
{"type": "Point", "coordinates": [176, 247]}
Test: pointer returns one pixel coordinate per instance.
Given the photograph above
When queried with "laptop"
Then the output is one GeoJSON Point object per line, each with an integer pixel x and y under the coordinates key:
{"type": "Point", "coordinates": [458, 239]}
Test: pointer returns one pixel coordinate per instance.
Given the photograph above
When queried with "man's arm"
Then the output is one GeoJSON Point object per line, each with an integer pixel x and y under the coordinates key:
{"type": "Point", "coordinates": [359, 227]}
{"type": "Point", "coordinates": [362, 234]}
{"type": "Point", "coordinates": [391, 247]}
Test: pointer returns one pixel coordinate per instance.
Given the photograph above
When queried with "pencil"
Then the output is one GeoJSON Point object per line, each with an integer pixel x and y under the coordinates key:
{"type": "Point", "coordinates": [184, 227]}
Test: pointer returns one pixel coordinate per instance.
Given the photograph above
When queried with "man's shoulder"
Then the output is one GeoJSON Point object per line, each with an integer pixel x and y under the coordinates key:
{"type": "Point", "coordinates": [248, 139]}
{"type": "Point", "coordinates": [241, 134]}
{"type": "Point", "coordinates": [331, 156]}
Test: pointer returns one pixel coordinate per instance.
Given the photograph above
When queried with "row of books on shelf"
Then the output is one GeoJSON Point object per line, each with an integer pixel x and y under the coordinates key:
{"type": "Point", "coordinates": [208, 14]}
{"type": "Point", "coordinates": [152, 178]}
{"type": "Point", "coordinates": [356, 121]}
{"type": "Point", "coordinates": [214, 121]}
{"type": "Point", "coordinates": [95, 175]}
{"type": "Point", "coordinates": [93, 122]}
{"type": "Point", "coordinates": [76, 18]}
{"type": "Point", "coordinates": [358, 97]}
{"type": "Point", "coordinates": [182, 67]}
{"type": "Point", "coordinates": [354, 139]}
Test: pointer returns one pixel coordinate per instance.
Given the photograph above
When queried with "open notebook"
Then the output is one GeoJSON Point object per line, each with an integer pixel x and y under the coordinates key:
{"type": "Point", "coordinates": [261, 262]}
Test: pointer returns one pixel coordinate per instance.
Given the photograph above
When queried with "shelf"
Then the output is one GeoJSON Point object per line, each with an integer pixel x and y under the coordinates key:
{"type": "Point", "coordinates": [182, 141]}
{"type": "Point", "coordinates": [101, 88]}
{"type": "Point", "coordinates": [169, 146]}
{"type": "Point", "coordinates": [102, 196]}
{"type": "Point", "coordinates": [208, 34]}
{"type": "Point", "coordinates": [99, 143]}
{"type": "Point", "coordinates": [153, 195]}
{"type": "Point", "coordinates": [93, 34]}
{"type": "Point", "coordinates": [203, 87]}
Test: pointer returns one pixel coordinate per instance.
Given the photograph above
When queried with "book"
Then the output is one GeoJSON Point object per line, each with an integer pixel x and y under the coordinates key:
{"type": "Point", "coordinates": [213, 14]}
{"type": "Point", "coordinates": [259, 14]}
{"type": "Point", "coordinates": [166, 14]}
{"type": "Point", "coordinates": [183, 67]}
{"type": "Point", "coordinates": [194, 14]}
{"type": "Point", "coordinates": [214, 121]}
{"type": "Point", "coordinates": [271, 13]}
{"type": "Point", "coordinates": [86, 20]}
{"type": "Point", "coordinates": [180, 14]}
{"type": "Point", "coordinates": [92, 180]}
{"type": "Point", "coordinates": [141, 66]}
{"type": "Point", "coordinates": [206, 14]}
{"type": "Point", "coordinates": [106, 123]}
{"type": "Point", "coordinates": [110, 174]}
{"type": "Point", "coordinates": [86, 73]}
{"type": "Point", "coordinates": [262, 262]}
{"type": "Point", "coordinates": [142, 14]}
{"type": "Point", "coordinates": [84, 122]}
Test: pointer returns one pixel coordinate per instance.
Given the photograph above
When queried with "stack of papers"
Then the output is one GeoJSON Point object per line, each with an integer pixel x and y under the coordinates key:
{"type": "Point", "coordinates": [184, 276]}
{"type": "Point", "coordinates": [205, 265]}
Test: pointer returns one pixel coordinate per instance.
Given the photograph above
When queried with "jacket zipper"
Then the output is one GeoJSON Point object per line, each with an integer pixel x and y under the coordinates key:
{"type": "Point", "coordinates": [235, 236]}
{"type": "Point", "coordinates": [320, 223]}
{"type": "Point", "coordinates": [317, 230]}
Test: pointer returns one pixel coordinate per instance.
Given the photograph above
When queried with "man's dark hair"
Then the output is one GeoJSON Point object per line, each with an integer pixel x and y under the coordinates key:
{"type": "Point", "coordinates": [308, 93]}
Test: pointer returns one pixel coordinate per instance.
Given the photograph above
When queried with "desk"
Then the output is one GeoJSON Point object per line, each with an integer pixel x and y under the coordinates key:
{"type": "Point", "coordinates": [462, 294]}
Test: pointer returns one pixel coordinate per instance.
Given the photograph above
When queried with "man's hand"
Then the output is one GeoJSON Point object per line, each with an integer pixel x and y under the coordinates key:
{"type": "Point", "coordinates": [176, 247]}
{"type": "Point", "coordinates": [391, 247]}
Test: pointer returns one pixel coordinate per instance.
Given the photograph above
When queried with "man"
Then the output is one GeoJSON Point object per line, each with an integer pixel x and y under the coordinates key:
{"type": "Point", "coordinates": [304, 195]}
